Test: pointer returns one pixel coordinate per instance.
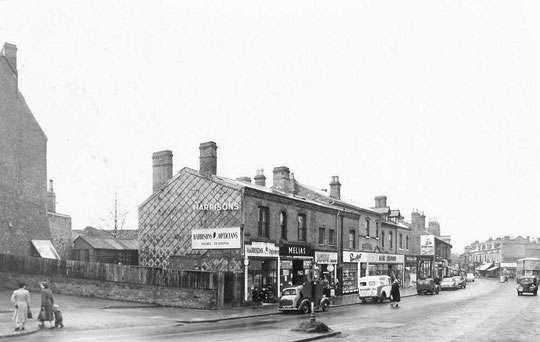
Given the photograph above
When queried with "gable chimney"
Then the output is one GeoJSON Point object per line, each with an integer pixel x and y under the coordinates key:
{"type": "Point", "coordinates": [380, 201]}
{"type": "Point", "coordinates": [162, 165]}
{"type": "Point", "coordinates": [9, 51]}
{"type": "Point", "coordinates": [282, 180]}
{"type": "Point", "coordinates": [208, 158]}
{"type": "Point", "coordinates": [260, 178]}
{"type": "Point", "coordinates": [335, 188]}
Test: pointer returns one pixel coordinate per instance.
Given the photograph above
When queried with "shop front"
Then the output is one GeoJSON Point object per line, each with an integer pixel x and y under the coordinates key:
{"type": "Point", "coordinates": [295, 260]}
{"type": "Point", "coordinates": [261, 269]}
{"type": "Point", "coordinates": [351, 272]}
{"type": "Point", "coordinates": [327, 263]}
{"type": "Point", "coordinates": [411, 264]}
{"type": "Point", "coordinates": [383, 264]}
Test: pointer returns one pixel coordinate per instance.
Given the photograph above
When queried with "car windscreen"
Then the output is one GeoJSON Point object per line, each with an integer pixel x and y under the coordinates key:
{"type": "Point", "coordinates": [288, 292]}
{"type": "Point", "coordinates": [368, 283]}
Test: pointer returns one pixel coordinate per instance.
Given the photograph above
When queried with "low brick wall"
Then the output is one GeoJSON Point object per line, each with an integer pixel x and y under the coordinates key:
{"type": "Point", "coordinates": [162, 295]}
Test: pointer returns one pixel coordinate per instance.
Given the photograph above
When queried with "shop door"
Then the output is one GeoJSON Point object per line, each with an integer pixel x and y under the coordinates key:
{"type": "Point", "coordinates": [298, 272]}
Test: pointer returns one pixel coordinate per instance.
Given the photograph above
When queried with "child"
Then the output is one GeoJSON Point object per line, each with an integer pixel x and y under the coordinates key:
{"type": "Point", "coordinates": [58, 320]}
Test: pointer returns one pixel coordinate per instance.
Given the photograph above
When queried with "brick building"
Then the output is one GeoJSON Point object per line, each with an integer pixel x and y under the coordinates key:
{"type": "Point", "coordinates": [23, 165]}
{"type": "Point", "coordinates": [199, 220]}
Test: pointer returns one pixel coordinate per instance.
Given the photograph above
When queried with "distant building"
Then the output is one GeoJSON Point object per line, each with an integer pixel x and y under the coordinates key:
{"type": "Point", "coordinates": [60, 226]}
{"type": "Point", "coordinates": [23, 166]}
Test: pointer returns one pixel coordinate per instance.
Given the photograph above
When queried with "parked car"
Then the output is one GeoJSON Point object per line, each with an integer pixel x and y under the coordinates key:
{"type": "Point", "coordinates": [374, 288]}
{"type": "Point", "coordinates": [294, 299]}
{"type": "Point", "coordinates": [469, 277]}
{"type": "Point", "coordinates": [461, 281]}
{"type": "Point", "coordinates": [527, 284]}
{"type": "Point", "coordinates": [449, 283]}
{"type": "Point", "coordinates": [427, 285]}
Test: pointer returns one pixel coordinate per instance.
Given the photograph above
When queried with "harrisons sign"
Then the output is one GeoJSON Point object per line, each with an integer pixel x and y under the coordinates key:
{"type": "Point", "coordinates": [217, 206]}
{"type": "Point", "coordinates": [215, 238]}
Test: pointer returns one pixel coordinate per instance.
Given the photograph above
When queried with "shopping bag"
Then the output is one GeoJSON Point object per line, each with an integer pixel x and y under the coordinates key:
{"type": "Point", "coordinates": [29, 314]}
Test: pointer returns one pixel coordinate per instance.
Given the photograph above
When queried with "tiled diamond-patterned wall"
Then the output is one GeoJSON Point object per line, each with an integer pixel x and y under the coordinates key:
{"type": "Point", "coordinates": [166, 219]}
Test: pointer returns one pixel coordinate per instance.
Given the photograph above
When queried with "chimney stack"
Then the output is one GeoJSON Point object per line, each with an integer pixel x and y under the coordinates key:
{"type": "Point", "coordinates": [208, 158]}
{"type": "Point", "coordinates": [434, 228]}
{"type": "Point", "coordinates": [51, 198]}
{"type": "Point", "coordinates": [418, 220]}
{"type": "Point", "coordinates": [380, 201]}
{"type": "Point", "coordinates": [282, 180]}
{"type": "Point", "coordinates": [335, 188]}
{"type": "Point", "coordinates": [260, 179]}
{"type": "Point", "coordinates": [162, 165]}
{"type": "Point", "coordinates": [9, 51]}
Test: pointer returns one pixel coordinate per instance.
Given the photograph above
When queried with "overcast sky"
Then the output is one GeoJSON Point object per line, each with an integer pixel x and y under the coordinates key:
{"type": "Point", "coordinates": [431, 103]}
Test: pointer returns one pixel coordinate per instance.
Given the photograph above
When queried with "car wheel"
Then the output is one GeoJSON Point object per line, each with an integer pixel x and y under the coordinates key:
{"type": "Point", "coordinates": [324, 306]}
{"type": "Point", "coordinates": [419, 292]}
{"type": "Point", "coordinates": [519, 293]}
{"type": "Point", "coordinates": [304, 308]}
{"type": "Point", "coordinates": [437, 290]}
{"type": "Point", "coordinates": [535, 293]}
{"type": "Point", "coordinates": [383, 297]}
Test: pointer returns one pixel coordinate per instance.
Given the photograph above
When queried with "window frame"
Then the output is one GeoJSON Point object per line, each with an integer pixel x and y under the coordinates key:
{"type": "Point", "coordinates": [382, 239]}
{"type": "Point", "coordinates": [283, 224]}
{"type": "Point", "coordinates": [263, 221]}
{"type": "Point", "coordinates": [323, 236]}
{"type": "Point", "coordinates": [352, 242]}
{"type": "Point", "coordinates": [302, 228]}
{"type": "Point", "coordinates": [367, 226]}
{"type": "Point", "coordinates": [332, 234]}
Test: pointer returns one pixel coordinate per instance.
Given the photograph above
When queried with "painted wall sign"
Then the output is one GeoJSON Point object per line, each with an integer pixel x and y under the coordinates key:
{"type": "Point", "coordinates": [262, 249]}
{"type": "Point", "coordinates": [216, 238]}
{"type": "Point", "coordinates": [217, 206]}
{"type": "Point", "coordinates": [427, 244]}
{"type": "Point", "coordinates": [325, 258]}
{"type": "Point", "coordinates": [295, 250]}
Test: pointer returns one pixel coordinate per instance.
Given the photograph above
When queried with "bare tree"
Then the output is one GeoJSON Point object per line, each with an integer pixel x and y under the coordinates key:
{"type": "Point", "coordinates": [115, 218]}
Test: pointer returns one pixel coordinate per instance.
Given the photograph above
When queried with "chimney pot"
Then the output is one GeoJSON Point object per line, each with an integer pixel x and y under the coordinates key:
{"type": "Point", "coordinates": [162, 164]}
{"type": "Point", "coordinates": [51, 198]}
{"type": "Point", "coordinates": [335, 188]}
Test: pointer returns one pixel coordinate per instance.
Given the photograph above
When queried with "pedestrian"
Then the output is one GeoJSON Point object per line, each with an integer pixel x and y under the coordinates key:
{"type": "Point", "coordinates": [256, 297]}
{"type": "Point", "coordinates": [394, 293]}
{"type": "Point", "coordinates": [58, 319]}
{"type": "Point", "coordinates": [47, 302]}
{"type": "Point", "coordinates": [21, 299]}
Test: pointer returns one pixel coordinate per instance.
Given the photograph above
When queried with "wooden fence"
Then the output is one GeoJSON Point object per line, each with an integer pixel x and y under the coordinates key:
{"type": "Point", "coordinates": [108, 272]}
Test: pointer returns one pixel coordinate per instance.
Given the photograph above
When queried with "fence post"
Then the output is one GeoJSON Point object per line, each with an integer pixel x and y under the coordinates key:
{"type": "Point", "coordinates": [221, 290]}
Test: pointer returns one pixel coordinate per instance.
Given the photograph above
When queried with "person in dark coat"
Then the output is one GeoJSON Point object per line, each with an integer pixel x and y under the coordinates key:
{"type": "Point", "coordinates": [47, 302]}
{"type": "Point", "coordinates": [394, 293]}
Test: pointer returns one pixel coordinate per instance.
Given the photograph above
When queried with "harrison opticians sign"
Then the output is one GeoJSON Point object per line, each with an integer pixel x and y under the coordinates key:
{"type": "Point", "coordinates": [216, 238]}
{"type": "Point", "coordinates": [217, 206]}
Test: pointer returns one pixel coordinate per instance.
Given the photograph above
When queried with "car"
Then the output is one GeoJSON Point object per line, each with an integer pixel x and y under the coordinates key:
{"type": "Point", "coordinates": [527, 284]}
{"type": "Point", "coordinates": [374, 288]}
{"type": "Point", "coordinates": [293, 299]}
{"type": "Point", "coordinates": [449, 283]}
{"type": "Point", "coordinates": [469, 277]}
{"type": "Point", "coordinates": [427, 285]}
{"type": "Point", "coordinates": [461, 281]}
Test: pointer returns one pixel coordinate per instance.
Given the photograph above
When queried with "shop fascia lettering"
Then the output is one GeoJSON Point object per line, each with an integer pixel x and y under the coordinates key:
{"type": "Point", "coordinates": [216, 238]}
{"type": "Point", "coordinates": [350, 256]}
{"type": "Point", "coordinates": [217, 206]}
{"type": "Point", "coordinates": [325, 258]}
{"type": "Point", "coordinates": [262, 249]}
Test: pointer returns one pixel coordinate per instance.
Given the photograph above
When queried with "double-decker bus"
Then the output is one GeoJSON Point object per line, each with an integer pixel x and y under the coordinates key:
{"type": "Point", "coordinates": [528, 266]}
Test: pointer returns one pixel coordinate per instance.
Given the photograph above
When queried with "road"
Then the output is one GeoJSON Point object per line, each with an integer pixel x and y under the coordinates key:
{"type": "Point", "coordinates": [485, 311]}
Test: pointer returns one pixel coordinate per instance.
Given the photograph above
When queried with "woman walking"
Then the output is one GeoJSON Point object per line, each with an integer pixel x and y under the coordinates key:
{"type": "Point", "coordinates": [394, 293]}
{"type": "Point", "coordinates": [47, 302]}
{"type": "Point", "coordinates": [21, 299]}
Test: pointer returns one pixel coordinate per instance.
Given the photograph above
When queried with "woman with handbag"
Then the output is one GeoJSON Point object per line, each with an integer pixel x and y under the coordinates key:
{"type": "Point", "coordinates": [21, 299]}
{"type": "Point", "coordinates": [47, 302]}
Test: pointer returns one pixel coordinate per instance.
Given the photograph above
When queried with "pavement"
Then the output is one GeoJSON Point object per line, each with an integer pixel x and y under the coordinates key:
{"type": "Point", "coordinates": [90, 313]}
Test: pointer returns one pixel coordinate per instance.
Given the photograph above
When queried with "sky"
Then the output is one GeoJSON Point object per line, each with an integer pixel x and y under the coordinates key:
{"type": "Point", "coordinates": [431, 103]}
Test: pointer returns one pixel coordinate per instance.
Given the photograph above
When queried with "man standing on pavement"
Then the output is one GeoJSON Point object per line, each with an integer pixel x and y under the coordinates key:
{"type": "Point", "coordinates": [394, 293]}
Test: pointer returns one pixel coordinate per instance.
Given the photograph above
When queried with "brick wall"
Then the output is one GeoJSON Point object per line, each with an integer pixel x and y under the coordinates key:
{"type": "Point", "coordinates": [162, 295]}
{"type": "Point", "coordinates": [60, 226]}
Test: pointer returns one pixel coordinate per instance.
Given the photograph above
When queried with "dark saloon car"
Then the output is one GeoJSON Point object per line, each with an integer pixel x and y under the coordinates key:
{"type": "Point", "coordinates": [527, 284]}
{"type": "Point", "coordinates": [294, 299]}
{"type": "Point", "coordinates": [428, 285]}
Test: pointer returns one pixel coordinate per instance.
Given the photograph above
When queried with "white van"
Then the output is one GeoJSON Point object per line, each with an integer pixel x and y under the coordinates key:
{"type": "Point", "coordinates": [374, 288]}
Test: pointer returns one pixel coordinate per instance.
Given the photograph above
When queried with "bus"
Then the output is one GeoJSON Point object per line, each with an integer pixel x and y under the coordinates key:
{"type": "Point", "coordinates": [528, 266]}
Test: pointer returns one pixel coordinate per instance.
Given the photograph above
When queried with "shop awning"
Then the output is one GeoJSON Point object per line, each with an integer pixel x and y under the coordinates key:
{"type": "Point", "coordinates": [484, 267]}
{"type": "Point", "coordinates": [494, 268]}
{"type": "Point", "coordinates": [45, 249]}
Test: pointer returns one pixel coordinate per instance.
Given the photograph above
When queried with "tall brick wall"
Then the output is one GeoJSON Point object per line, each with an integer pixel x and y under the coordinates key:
{"type": "Point", "coordinates": [23, 170]}
{"type": "Point", "coordinates": [60, 226]}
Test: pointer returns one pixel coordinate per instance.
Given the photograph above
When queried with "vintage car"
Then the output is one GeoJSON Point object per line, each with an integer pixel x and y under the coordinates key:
{"type": "Point", "coordinates": [427, 285]}
{"type": "Point", "coordinates": [461, 281]}
{"type": "Point", "coordinates": [293, 299]}
{"type": "Point", "coordinates": [469, 277]}
{"type": "Point", "coordinates": [449, 283]}
{"type": "Point", "coordinates": [527, 284]}
{"type": "Point", "coordinates": [374, 288]}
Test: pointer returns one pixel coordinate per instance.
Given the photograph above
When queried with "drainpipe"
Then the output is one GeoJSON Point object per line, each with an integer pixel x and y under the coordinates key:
{"type": "Point", "coordinates": [339, 270]}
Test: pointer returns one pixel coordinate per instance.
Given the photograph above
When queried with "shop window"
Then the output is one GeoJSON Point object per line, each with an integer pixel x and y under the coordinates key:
{"type": "Point", "coordinates": [302, 226]}
{"type": "Point", "coordinates": [391, 240]}
{"type": "Point", "coordinates": [350, 277]}
{"type": "Point", "coordinates": [377, 230]}
{"type": "Point", "coordinates": [283, 224]}
{"type": "Point", "coordinates": [263, 221]}
{"type": "Point", "coordinates": [367, 227]}
{"type": "Point", "coordinates": [382, 239]}
{"type": "Point", "coordinates": [400, 241]}
{"type": "Point", "coordinates": [322, 232]}
{"type": "Point", "coordinates": [352, 239]}
{"type": "Point", "coordinates": [331, 237]}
